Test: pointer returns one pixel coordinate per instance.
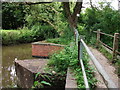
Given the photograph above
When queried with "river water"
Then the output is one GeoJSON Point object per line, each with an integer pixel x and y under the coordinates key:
{"type": "Point", "coordinates": [9, 53]}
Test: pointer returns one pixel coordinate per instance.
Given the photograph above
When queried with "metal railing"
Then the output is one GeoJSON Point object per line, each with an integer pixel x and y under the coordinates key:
{"type": "Point", "coordinates": [81, 44]}
{"type": "Point", "coordinates": [109, 83]}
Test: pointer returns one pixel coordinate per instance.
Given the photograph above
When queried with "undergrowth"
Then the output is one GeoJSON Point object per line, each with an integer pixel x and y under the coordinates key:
{"type": "Point", "coordinates": [68, 57]}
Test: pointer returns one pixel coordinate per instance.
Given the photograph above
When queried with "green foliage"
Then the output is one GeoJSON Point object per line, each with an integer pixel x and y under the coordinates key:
{"type": "Point", "coordinates": [13, 15]}
{"type": "Point", "coordinates": [38, 83]}
{"type": "Point", "coordinates": [104, 18]}
{"type": "Point", "coordinates": [24, 36]}
{"type": "Point", "coordinates": [44, 32]}
{"type": "Point", "coordinates": [66, 37]}
{"type": "Point", "coordinates": [46, 83]}
{"type": "Point", "coordinates": [60, 61]}
{"type": "Point", "coordinates": [75, 66]}
{"type": "Point", "coordinates": [17, 36]}
{"type": "Point", "coordinates": [69, 57]}
{"type": "Point", "coordinates": [46, 15]}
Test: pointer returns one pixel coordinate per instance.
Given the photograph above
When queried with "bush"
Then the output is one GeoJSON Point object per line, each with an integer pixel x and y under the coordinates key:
{"type": "Point", "coordinates": [16, 36]}
{"type": "Point", "coordinates": [13, 15]}
{"type": "Point", "coordinates": [45, 32]}
{"type": "Point", "coordinates": [65, 38]}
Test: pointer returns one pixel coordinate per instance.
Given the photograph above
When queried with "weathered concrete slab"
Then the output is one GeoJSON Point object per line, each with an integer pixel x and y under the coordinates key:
{"type": "Point", "coordinates": [70, 81]}
{"type": "Point", "coordinates": [26, 70]}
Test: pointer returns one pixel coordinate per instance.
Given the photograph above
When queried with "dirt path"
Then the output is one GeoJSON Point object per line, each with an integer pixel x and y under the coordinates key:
{"type": "Point", "coordinates": [108, 68]}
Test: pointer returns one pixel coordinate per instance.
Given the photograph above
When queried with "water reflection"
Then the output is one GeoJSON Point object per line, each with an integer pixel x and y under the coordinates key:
{"type": "Point", "coordinates": [9, 53]}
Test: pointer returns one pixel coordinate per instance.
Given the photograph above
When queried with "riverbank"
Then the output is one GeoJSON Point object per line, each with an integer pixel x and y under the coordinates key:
{"type": "Point", "coordinates": [13, 37]}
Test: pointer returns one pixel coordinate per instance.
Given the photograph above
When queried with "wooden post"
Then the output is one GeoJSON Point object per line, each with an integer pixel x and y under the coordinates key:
{"type": "Point", "coordinates": [115, 45]}
{"type": "Point", "coordinates": [98, 38]}
{"type": "Point", "coordinates": [76, 36]}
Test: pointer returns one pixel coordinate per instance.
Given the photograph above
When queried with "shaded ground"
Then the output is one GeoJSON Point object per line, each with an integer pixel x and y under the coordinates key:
{"type": "Point", "coordinates": [108, 68]}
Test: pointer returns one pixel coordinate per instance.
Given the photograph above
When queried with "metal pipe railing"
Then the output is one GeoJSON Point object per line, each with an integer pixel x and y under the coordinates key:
{"type": "Point", "coordinates": [80, 55]}
{"type": "Point", "coordinates": [84, 75]}
{"type": "Point", "coordinates": [109, 82]}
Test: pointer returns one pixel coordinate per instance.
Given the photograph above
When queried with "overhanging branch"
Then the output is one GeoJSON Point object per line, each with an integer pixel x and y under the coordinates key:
{"type": "Point", "coordinates": [31, 3]}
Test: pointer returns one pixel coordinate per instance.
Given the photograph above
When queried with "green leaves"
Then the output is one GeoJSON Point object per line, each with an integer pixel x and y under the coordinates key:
{"type": "Point", "coordinates": [40, 84]}
{"type": "Point", "coordinates": [46, 83]}
{"type": "Point", "coordinates": [37, 75]}
{"type": "Point", "coordinates": [36, 83]}
{"type": "Point", "coordinates": [13, 15]}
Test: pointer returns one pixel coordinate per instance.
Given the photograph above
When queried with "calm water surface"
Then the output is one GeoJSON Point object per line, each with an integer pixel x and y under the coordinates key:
{"type": "Point", "coordinates": [9, 53]}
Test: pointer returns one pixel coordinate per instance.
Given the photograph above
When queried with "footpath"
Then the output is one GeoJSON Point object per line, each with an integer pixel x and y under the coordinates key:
{"type": "Point", "coordinates": [109, 68]}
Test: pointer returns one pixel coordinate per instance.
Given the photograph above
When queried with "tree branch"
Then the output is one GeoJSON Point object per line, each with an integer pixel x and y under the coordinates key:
{"type": "Point", "coordinates": [31, 3]}
{"type": "Point", "coordinates": [66, 8]}
{"type": "Point", "coordinates": [77, 9]}
{"type": "Point", "coordinates": [45, 20]}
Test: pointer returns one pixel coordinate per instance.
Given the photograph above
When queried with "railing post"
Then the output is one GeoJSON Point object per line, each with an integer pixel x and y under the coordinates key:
{"type": "Point", "coordinates": [80, 50]}
{"type": "Point", "coordinates": [98, 38]}
{"type": "Point", "coordinates": [76, 36]}
{"type": "Point", "coordinates": [115, 45]}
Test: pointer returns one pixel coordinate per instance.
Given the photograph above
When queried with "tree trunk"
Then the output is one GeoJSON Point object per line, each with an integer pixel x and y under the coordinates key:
{"type": "Point", "coordinates": [72, 17]}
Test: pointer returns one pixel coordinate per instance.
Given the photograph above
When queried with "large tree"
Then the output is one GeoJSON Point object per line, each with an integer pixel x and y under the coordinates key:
{"type": "Point", "coordinates": [72, 16]}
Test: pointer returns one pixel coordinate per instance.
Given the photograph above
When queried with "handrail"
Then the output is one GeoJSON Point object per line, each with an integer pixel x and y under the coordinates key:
{"type": "Point", "coordinates": [104, 34]}
{"type": "Point", "coordinates": [84, 75]}
{"type": "Point", "coordinates": [109, 47]}
{"type": "Point", "coordinates": [82, 65]}
{"type": "Point", "coordinates": [106, 45]}
{"type": "Point", "coordinates": [115, 43]}
{"type": "Point", "coordinates": [109, 82]}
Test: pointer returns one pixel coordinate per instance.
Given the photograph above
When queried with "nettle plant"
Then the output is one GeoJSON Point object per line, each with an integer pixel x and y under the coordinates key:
{"type": "Point", "coordinates": [41, 83]}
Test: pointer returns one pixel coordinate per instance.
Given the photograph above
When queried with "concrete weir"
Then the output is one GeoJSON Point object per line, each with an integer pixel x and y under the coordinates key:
{"type": "Point", "coordinates": [26, 70]}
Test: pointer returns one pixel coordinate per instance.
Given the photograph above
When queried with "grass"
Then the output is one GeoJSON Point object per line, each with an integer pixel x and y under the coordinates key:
{"type": "Point", "coordinates": [59, 41]}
